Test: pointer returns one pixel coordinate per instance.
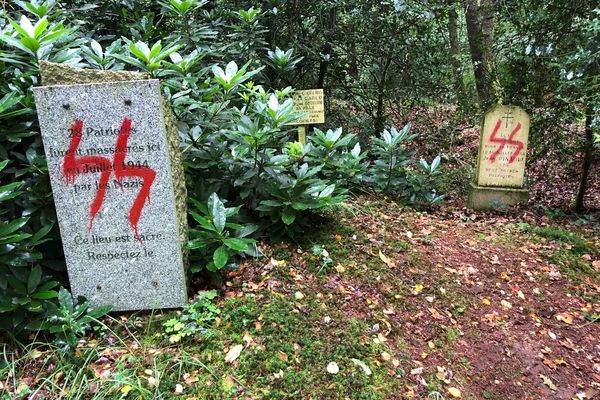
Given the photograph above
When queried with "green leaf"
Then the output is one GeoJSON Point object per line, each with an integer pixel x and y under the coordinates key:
{"type": "Point", "coordinates": [217, 211]}
{"type": "Point", "coordinates": [36, 238]}
{"type": "Point", "coordinates": [6, 229]}
{"type": "Point", "coordinates": [156, 48]}
{"type": "Point", "coordinates": [16, 284]}
{"type": "Point", "coordinates": [35, 276]}
{"type": "Point", "coordinates": [65, 300]}
{"type": "Point", "coordinates": [128, 60]}
{"type": "Point", "coordinates": [271, 203]}
{"type": "Point", "coordinates": [24, 28]}
{"type": "Point", "coordinates": [233, 226]}
{"type": "Point", "coordinates": [245, 230]}
{"type": "Point", "coordinates": [201, 242]}
{"type": "Point", "coordinates": [11, 41]}
{"type": "Point", "coordinates": [16, 238]}
{"type": "Point", "coordinates": [288, 216]}
{"type": "Point", "coordinates": [220, 257]}
{"type": "Point", "coordinates": [199, 205]}
{"type": "Point", "coordinates": [6, 191]}
{"type": "Point", "coordinates": [435, 163]}
{"type": "Point", "coordinates": [231, 211]}
{"type": "Point", "coordinates": [40, 27]}
{"type": "Point", "coordinates": [34, 306]}
{"type": "Point", "coordinates": [31, 44]}
{"type": "Point", "coordinates": [211, 267]}
{"type": "Point", "coordinates": [165, 53]}
{"type": "Point", "coordinates": [56, 32]}
{"type": "Point", "coordinates": [48, 285]}
{"type": "Point", "coordinates": [98, 312]}
{"type": "Point", "coordinates": [202, 221]}
{"type": "Point", "coordinates": [140, 50]}
{"type": "Point", "coordinates": [45, 295]}
{"type": "Point", "coordinates": [6, 102]}
{"type": "Point", "coordinates": [236, 244]}
{"type": "Point", "coordinates": [301, 206]}
{"type": "Point", "coordinates": [327, 191]}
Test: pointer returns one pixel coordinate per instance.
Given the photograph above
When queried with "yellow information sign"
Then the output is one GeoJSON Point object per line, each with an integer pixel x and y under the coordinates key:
{"type": "Point", "coordinates": [310, 102]}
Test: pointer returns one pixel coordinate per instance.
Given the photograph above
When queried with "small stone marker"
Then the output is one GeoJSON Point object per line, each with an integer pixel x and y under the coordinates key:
{"type": "Point", "coordinates": [114, 164]}
{"type": "Point", "coordinates": [309, 102]}
{"type": "Point", "coordinates": [500, 173]}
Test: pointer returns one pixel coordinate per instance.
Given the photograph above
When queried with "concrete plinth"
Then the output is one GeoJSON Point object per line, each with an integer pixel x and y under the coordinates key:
{"type": "Point", "coordinates": [490, 198]}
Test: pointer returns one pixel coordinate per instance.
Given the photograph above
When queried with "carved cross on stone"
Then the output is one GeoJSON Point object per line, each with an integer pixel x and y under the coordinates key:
{"type": "Point", "coordinates": [507, 116]}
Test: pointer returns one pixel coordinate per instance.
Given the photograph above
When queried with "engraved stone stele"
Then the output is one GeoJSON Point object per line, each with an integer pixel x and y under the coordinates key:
{"type": "Point", "coordinates": [500, 176]}
{"type": "Point", "coordinates": [113, 156]}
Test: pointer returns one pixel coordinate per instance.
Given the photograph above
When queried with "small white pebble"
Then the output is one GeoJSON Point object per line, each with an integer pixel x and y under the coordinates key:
{"type": "Point", "coordinates": [333, 368]}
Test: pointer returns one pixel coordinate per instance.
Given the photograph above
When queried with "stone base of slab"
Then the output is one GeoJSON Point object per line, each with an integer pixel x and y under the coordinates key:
{"type": "Point", "coordinates": [492, 198]}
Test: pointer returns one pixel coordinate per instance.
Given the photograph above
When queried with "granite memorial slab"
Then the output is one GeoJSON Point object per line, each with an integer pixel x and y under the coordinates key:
{"type": "Point", "coordinates": [500, 176]}
{"type": "Point", "coordinates": [113, 157]}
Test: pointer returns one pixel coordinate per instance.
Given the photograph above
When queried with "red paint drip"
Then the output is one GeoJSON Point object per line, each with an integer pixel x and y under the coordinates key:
{"type": "Point", "coordinates": [503, 142]}
{"type": "Point", "coordinates": [146, 174]}
{"type": "Point", "coordinates": [72, 165]}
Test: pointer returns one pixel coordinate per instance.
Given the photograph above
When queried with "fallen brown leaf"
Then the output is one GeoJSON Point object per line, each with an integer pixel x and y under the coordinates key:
{"type": "Point", "coordinates": [234, 353]}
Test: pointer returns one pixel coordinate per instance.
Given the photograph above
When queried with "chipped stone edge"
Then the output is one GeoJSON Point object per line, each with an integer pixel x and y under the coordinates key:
{"type": "Point", "coordinates": [62, 74]}
{"type": "Point", "coordinates": [177, 173]}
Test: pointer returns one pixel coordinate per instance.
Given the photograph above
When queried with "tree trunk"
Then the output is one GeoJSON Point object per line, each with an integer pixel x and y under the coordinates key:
{"type": "Point", "coordinates": [327, 49]}
{"type": "Point", "coordinates": [587, 159]}
{"type": "Point", "coordinates": [353, 63]}
{"type": "Point", "coordinates": [323, 66]}
{"type": "Point", "coordinates": [459, 86]}
{"type": "Point", "coordinates": [480, 33]}
{"type": "Point", "coordinates": [380, 113]}
{"type": "Point", "coordinates": [487, 13]}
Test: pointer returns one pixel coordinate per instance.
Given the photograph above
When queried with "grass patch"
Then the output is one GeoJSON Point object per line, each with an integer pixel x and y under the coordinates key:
{"type": "Point", "coordinates": [573, 256]}
{"type": "Point", "coordinates": [287, 346]}
{"type": "Point", "coordinates": [571, 250]}
{"type": "Point", "coordinates": [579, 244]}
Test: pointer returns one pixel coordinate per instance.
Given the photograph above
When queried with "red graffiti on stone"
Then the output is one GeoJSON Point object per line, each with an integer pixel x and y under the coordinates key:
{"type": "Point", "coordinates": [76, 165]}
{"type": "Point", "coordinates": [503, 142]}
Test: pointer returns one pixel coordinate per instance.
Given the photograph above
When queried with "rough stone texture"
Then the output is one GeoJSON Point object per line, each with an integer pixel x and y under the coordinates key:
{"type": "Point", "coordinates": [503, 147]}
{"type": "Point", "coordinates": [62, 74]}
{"type": "Point", "coordinates": [179, 187]}
{"type": "Point", "coordinates": [150, 271]}
{"type": "Point", "coordinates": [489, 198]}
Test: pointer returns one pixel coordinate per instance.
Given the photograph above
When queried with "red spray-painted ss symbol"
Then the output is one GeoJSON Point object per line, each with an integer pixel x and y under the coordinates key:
{"type": "Point", "coordinates": [503, 142]}
{"type": "Point", "coordinates": [74, 165]}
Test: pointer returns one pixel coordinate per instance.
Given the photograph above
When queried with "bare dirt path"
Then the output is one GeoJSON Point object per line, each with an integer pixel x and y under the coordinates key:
{"type": "Point", "coordinates": [503, 307]}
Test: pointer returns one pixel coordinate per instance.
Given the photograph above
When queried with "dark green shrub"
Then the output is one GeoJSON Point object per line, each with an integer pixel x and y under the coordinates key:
{"type": "Point", "coordinates": [70, 320]}
{"type": "Point", "coordinates": [25, 291]}
{"type": "Point", "coordinates": [214, 239]}
{"type": "Point", "coordinates": [340, 155]}
{"type": "Point", "coordinates": [394, 171]}
{"type": "Point", "coordinates": [30, 254]}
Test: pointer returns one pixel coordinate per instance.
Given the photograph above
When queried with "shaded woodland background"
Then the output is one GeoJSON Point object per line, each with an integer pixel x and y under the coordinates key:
{"type": "Point", "coordinates": [441, 64]}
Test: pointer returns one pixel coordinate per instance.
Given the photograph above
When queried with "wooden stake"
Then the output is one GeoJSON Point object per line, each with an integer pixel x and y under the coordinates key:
{"type": "Point", "coordinates": [302, 134]}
